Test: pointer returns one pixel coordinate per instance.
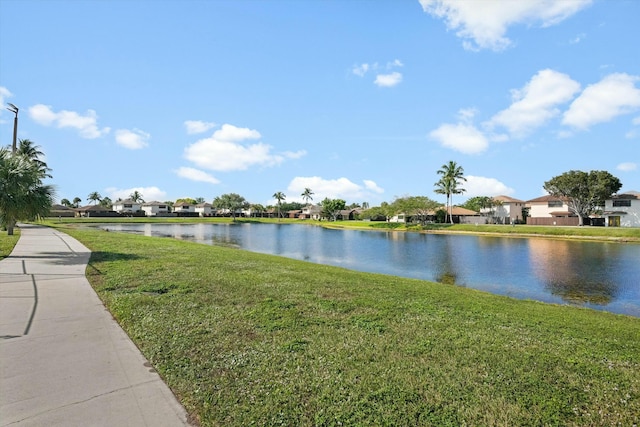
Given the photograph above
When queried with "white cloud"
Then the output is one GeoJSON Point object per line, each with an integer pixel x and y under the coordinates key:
{"type": "Point", "coordinates": [463, 137]}
{"type": "Point", "coordinates": [484, 24]}
{"type": "Point", "coordinates": [536, 103]}
{"type": "Point", "coordinates": [341, 188]}
{"type": "Point", "coordinates": [132, 139]}
{"type": "Point", "coordinates": [578, 38]}
{"type": "Point", "coordinates": [482, 186]}
{"type": "Point", "coordinates": [148, 193]}
{"type": "Point", "coordinates": [360, 70]}
{"type": "Point", "coordinates": [198, 126]}
{"type": "Point", "coordinates": [388, 80]}
{"type": "Point", "coordinates": [196, 175]}
{"type": "Point", "coordinates": [226, 150]}
{"type": "Point", "coordinates": [627, 167]}
{"type": "Point", "coordinates": [86, 125]}
{"type": "Point", "coordinates": [612, 96]}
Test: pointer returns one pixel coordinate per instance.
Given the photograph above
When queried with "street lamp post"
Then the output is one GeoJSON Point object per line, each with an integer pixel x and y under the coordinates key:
{"type": "Point", "coordinates": [14, 109]}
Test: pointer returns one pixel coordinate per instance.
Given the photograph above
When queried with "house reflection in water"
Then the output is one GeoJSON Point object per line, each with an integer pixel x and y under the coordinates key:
{"type": "Point", "coordinates": [576, 273]}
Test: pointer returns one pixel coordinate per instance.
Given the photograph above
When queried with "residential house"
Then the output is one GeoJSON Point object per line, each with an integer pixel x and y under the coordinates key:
{"type": "Point", "coordinates": [622, 210]}
{"type": "Point", "coordinates": [506, 210]}
{"type": "Point", "coordinates": [204, 209]}
{"type": "Point", "coordinates": [127, 206]}
{"type": "Point", "coordinates": [185, 209]}
{"type": "Point", "coordinates": [459, 215]}
{"type": "Point", "coordinates": [311, 212]}
{"type": "Point", "coordinates": [156, 209]}
{"type": "Point", "coordinates": [95, 211]}
{"type": "Point", "coordinates": [61, 211]}
{"type": "Point", "coordinates": [550, 210]}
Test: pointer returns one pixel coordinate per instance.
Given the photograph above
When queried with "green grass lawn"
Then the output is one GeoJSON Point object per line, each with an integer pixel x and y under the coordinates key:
{"type": "Point", "coordinates": [8, 242]}
{"type": "Point", "coordinates": [253, 339]}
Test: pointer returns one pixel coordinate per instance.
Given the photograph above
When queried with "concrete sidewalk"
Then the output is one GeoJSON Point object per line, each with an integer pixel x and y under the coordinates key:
{"type": "Point", "coordinates": [64, 361]}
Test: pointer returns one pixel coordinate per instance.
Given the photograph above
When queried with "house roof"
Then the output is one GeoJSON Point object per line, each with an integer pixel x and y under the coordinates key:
{"type": "Point", "coordinates": [154, 203]}
{"type": "Point", "coordinates": [507, 199]}
{"type": "Point", "coordinates": [546, 198]}
{"type": "Point", "coordinates": [204, 205]}
{"type": "Point", "coordinates": [626, 196]}
{"type": "Point", "coordinates": [128, 201]}
{"type": "Point", "coordinates": [57, 207]}
{"type": "Point", "coordinates": [94, 208]}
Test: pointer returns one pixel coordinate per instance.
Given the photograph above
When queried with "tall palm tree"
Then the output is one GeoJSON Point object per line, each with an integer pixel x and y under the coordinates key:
{"type": "Point", "coordinates": [76, 202]}
{"type": "Point", "coordinates": [22, 194]}
{"type": "Point", "coordinates": [306, 195]}
{"type": "Point", "coordinates": [66, 202]}
{"type": "Point", "coordinates": [136, 197]}
{"type": "Point", "coordinates": [31, 152]}
{"type": "Point", "coordinates": [452, 177]}
{"type": "Point", "coordinates": [94, 197]}
{"type": "Point", "coordinates": [279, 196]}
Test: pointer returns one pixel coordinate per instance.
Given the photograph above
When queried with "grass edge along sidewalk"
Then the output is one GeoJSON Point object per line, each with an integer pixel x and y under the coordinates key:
{"type": "Point", "coordinates": [245, 338]}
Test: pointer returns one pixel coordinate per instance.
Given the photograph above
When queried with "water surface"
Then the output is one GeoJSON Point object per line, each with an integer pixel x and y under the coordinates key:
{"type": "Point", "coordinates": [599, 275]}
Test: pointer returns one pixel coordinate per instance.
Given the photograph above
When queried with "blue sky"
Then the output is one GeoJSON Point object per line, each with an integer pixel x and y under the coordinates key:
{"type": "Point", "coordinates": [359, 100]}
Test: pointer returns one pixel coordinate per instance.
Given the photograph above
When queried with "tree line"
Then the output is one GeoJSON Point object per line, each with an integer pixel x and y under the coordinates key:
{"type": "Point", "coordinates": [24, 196]}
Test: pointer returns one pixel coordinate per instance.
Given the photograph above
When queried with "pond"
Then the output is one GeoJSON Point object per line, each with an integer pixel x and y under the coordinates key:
{"type": "Point", "coordinates": [600, 275]}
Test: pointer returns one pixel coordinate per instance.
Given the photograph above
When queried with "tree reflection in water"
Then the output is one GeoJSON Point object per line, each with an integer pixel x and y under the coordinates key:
{"type": "Point", "coordinates": [576, 278]}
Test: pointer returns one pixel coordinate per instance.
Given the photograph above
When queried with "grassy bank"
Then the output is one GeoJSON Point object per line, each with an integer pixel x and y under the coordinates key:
{"type": "Point", "coordinates": [8, 242]}
{"type": "Point", "coordinates": [253, 339]}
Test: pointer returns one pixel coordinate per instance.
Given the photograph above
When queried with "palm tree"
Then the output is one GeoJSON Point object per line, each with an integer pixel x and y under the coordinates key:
{"type": "Point", "coordinates": [136, 197]}
{"type": "Point", "coordinates": [279, 196]}
{"type": "Point", "coordinates": [66, 202]}
{"type": "Point", "coordinates": [31, 152]}
{"type": "Point", "coordinates": [22, 194]}
{"type": "Point", "coordinates": [452, 177]}
{"type": "Point", "coordinates": [306, 195]}
{"type": "Point", "coordinates": [94, 197]}
{"type": "Point", "coordinates": [76, 202]}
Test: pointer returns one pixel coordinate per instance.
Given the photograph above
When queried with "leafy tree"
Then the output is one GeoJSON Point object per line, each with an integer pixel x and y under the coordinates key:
{"type": "Point", "coordinates": [420, 207]}
{"type": "Point", "coordinates": [279, 196]}
{"type": "Point", "coordinates": [106, 202]}
{"type": "Point", "coordinates": [23, 196]}
{"type": "Point", "coordinates": [306, 195]}
{"type": "Point", "coordinates": [94, 197]}
{"type": "Point", "coordinates": [332, 207]}
{"type": "Point", "coordinates": [478, 203]}
{"type": "Point", "coordinates": [136, 197]}
{"type": "Point", "coordinates": [187, 200]}
{"type": "Point", "coordinates": [232, 202]}
{"type": "Point", "coordinates": [199, 200]}
{"type": "Point", "coordinates": [584, 192]}
{"type": "Point", "coordinates": [257, 208]}
{"type": "Point", "coordinates": [66, 202]}
{"type": "Point", "coordinates": [452, 177]}
{"type": "Point", "coordinates": [76, 202]}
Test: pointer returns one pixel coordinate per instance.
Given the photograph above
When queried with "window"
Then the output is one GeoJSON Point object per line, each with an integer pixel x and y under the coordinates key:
{"type": "Point", "coordinates": [621, 203]}
{"type": "Point", "coordinates": [554, 203]}
{"type": "Point", "coordinates": [128, 206]}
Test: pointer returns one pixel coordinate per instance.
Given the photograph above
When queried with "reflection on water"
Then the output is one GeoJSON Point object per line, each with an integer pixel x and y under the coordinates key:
{"type": "Point", "coordinates": [579, 275]}
{"type": "Point", "coordinates": [604, 276]}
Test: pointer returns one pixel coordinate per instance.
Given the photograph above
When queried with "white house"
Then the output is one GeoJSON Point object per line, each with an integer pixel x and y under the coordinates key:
{"type": "Point", "coordinates": [311, 212]}
{"type": "Point", "coordinates": [507, 209]}
{"type": "Point", "coordinates": [204, 209]}
{"type": "Point", "coordinates": [126, 206]}
{"type": "Point", "coordinates": [184, 208]}
{"type": "Point", "coordinates": [622, 210]}
{"type": "Point", "coordinates": [156, 209]}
